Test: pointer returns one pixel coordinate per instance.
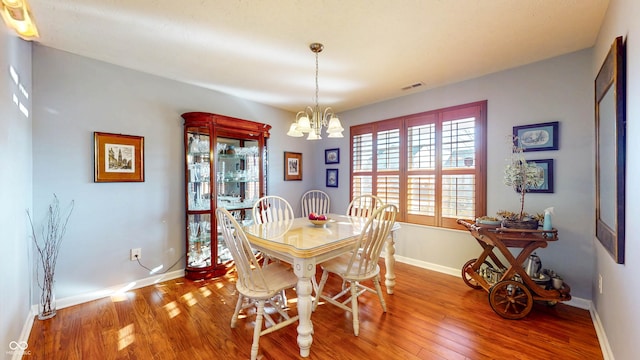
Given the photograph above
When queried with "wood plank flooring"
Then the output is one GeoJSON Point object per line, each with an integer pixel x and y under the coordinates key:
{"type": "Point", "coordinates": [430, 316]}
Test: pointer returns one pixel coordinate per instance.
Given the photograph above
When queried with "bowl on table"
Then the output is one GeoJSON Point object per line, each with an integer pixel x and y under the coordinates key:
{"type": "Point", "coordinates": [318, 220]}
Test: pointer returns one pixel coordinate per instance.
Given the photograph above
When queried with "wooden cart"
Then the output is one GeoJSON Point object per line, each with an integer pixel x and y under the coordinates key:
{"type": "Point", "coordinates": [511, 291]}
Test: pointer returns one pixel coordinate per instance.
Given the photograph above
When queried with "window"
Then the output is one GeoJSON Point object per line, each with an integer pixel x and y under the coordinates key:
{"type": "Point", "coordinates": [431, 165]}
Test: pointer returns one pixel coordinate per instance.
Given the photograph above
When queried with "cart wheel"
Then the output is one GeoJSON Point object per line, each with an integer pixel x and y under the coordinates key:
{"type": "Point", "coordinates": [467, 279]}
{"type": "Point", "coordinates": [510, 299]}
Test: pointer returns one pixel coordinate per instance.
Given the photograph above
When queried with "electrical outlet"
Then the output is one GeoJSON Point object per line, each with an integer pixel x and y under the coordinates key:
{"type": "Point", "coordinates": [600, 283]}
{"type": "Point", "coordinates": [136, 254]}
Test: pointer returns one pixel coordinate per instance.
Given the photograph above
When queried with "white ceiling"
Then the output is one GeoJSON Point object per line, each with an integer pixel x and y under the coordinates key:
{"type": "Point", "coordinates": [259, 50]}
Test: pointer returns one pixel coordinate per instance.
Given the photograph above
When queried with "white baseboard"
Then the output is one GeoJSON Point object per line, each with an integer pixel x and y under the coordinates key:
{"type": "Point", "coordinates": [24, 335]}
{"type": "Point", "coordinates": [575, 302]}
{"type": "Point", "coordinates": [113, 290]}
{"type": "Point", "coordinates": [602, 336]}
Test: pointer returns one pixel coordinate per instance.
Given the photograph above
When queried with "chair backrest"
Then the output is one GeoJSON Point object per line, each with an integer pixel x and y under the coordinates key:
{"type": "Point", "coordinates": [316, 201]}
{"type": "Point", "coordinates": [364, 205]}
{"type": "Point", "coordinates": [272, 208]}
{"type": "Point", "coordinates": [250, 274]}
{"type": "Point", "coordinates": [372, 238]}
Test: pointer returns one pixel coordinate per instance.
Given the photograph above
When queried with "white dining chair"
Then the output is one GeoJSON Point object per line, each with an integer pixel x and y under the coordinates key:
{"type": "Point", "coordinates": [364, 205]}
{"type": "Point", "coordinates": [361, 264]}
{"type": "Point", "coordinates": [315, 201]}
{"type": "Point", "coordinates": [257, 284]}
{"type": "Point", "coordinates": [272, 208]}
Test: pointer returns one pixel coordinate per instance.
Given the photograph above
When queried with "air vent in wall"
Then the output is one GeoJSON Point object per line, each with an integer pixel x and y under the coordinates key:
{"type": "Point", "coordinates": [412, 86]}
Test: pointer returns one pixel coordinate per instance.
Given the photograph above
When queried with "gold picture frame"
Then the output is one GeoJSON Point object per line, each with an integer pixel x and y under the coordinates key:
{"type": "Point", "coordinates": [292, 166]}
{"type": "Point", "coordinates": [118, 158]}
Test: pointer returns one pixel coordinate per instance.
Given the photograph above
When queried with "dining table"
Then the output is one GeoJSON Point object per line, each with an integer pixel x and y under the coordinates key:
{"type": "Point", "coordinates": [305, 245]}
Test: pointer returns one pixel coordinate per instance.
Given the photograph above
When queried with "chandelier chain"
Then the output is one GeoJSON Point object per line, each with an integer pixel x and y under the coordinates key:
{"type": "Point", "coordinates": [317, 87]}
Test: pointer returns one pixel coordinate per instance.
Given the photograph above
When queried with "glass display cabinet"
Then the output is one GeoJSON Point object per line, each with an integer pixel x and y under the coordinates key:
{"type": "Point", "coordinates": [225, 166]}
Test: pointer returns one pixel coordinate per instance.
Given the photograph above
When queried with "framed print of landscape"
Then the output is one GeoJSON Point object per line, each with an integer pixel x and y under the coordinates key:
{"type": "Point", "coordinates": [537, 137]}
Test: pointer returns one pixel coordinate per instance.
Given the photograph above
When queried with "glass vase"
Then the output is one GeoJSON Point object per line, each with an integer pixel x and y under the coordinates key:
{"type": "Point", "coordinates": [47, 303]}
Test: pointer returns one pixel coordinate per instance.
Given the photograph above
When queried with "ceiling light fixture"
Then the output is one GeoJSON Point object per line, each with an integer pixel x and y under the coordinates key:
{"type": "Point", "coordinates": [17, 16]}
{"type": "Point", "coordinates": [312, 120]}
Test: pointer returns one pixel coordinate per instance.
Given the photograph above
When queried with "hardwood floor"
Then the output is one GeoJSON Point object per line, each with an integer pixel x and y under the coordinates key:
{"type": "Point", "coordinates": [430, 316]}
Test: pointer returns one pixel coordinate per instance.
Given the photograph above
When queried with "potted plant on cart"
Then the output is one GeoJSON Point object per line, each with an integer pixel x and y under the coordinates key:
{"type": "Point", "coordinates": [521, 176]}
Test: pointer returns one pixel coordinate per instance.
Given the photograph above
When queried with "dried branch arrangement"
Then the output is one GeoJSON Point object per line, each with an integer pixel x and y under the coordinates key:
{"type": "Point", "coordinates": [48, 247]}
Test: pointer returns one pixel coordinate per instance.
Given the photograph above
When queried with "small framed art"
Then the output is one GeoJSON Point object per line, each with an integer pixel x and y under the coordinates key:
{"type": "Point", "coordinates": [292, 166]}
{"type": "Point", "coordinates": [332, 177]}
{"type": "Point", "coordinates": [537, 137]}
{"type": "Point", "coordinates": [332, 156]}
{"type": "Point", "coordinates": [118, 158]}
{"type": "Point", "coordinates": [547, 167]}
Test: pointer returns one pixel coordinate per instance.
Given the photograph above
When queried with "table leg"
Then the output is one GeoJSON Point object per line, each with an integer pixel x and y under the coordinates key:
{"type": "Point", "coordinates": [304, 270]}
{"type": "Point", "coordinates": [389, 262]}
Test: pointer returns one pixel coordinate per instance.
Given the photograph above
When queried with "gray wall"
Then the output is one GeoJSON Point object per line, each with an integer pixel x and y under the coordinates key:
{"type": "Point", "coordinates": [617, 305]}
{"type": "Point", "coordinates": [15, 189]}
{"type": "Point", "coordinates": [559, 89]}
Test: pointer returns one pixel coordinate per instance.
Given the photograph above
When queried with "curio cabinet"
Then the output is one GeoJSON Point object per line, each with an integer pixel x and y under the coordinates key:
{"type": "Point", "coordinates": [225, 166]}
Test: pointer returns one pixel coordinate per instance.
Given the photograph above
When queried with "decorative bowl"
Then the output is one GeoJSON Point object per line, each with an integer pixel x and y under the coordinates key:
{"type": "Point", "coordinates": [488, 222]}
{"type": "Point", "coordinates": [319, 222]}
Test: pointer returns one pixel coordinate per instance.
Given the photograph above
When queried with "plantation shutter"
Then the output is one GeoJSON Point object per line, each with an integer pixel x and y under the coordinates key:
{"type": "Point", "coordinates": [362, 160]}
{"type": "Point", "coordinates": [430, 165]}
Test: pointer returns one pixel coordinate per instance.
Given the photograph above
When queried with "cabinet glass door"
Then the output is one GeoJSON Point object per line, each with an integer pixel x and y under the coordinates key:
{"type": "Point", "coordinates": [199, 232]}
{"type": "Point", "coordinates": [237, 176]}
{"type": "Point", "coordinates": [199, 169]}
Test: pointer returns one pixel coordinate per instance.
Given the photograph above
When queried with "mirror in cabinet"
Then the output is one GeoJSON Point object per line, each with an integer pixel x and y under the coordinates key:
{"type": "Point", "coordinates": [225, 167]}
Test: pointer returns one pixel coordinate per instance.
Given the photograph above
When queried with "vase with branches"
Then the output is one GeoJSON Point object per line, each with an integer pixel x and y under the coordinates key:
{"type": "Point", "coordinates": [47, 244]}
{"type": "Point", "coordinates": [521, 176]}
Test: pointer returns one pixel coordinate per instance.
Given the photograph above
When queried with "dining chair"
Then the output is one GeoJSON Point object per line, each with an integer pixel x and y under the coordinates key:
{"type": "Point", "coordinates": [361, 264]}
{"type": "Point", "coordinates": [315, 201]}
{"type": "Point", "coordinates": [257, 284]}
{"type": "Point", "coordinates": [364, 205]}
{"type": "Point", "coordinates": [269, 209]}
{"type": "Point", "coordinates": [272, 208]}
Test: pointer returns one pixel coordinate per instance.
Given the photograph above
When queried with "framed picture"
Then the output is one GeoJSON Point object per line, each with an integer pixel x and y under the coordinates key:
{"type": "Point", "coordinates": [292, 166]}
{"type": "Point", "coordinates": [118, 158]}
{"type": "Point", "coordinates": [547, 168]}
{"type": "Point", "coordinates": [332, 177]}
{"type": "Point", "coordinates": [537, 137]}
{"type": "Point", "coordinates": [332, 156]}
{"type": "Point", "coordinates": [611, 151]}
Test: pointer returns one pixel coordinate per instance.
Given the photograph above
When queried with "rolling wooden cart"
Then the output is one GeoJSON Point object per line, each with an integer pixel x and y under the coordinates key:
{"type": "Point", "coordinates": [511, 291]}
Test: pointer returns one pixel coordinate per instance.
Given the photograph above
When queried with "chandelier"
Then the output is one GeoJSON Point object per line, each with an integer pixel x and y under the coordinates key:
{"type": "Point", "coordinates": [312, 120]}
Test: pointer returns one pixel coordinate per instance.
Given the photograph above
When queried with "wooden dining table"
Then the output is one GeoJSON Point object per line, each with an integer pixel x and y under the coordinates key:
{"type": "Point", "coordinates": [305, 245]}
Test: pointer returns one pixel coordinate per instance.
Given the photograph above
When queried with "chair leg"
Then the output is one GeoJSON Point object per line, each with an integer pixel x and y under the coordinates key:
{"type": "Point", "coordinates": [323, 281]}
{"type": "Point", "coordinates": [257, 330]}
{"type": "Point", "coordinates": [376, 281]}
{"type": "Point", "coordinates": [234, 318]}
{"type": "Point", "coordinates": [354, 308]}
